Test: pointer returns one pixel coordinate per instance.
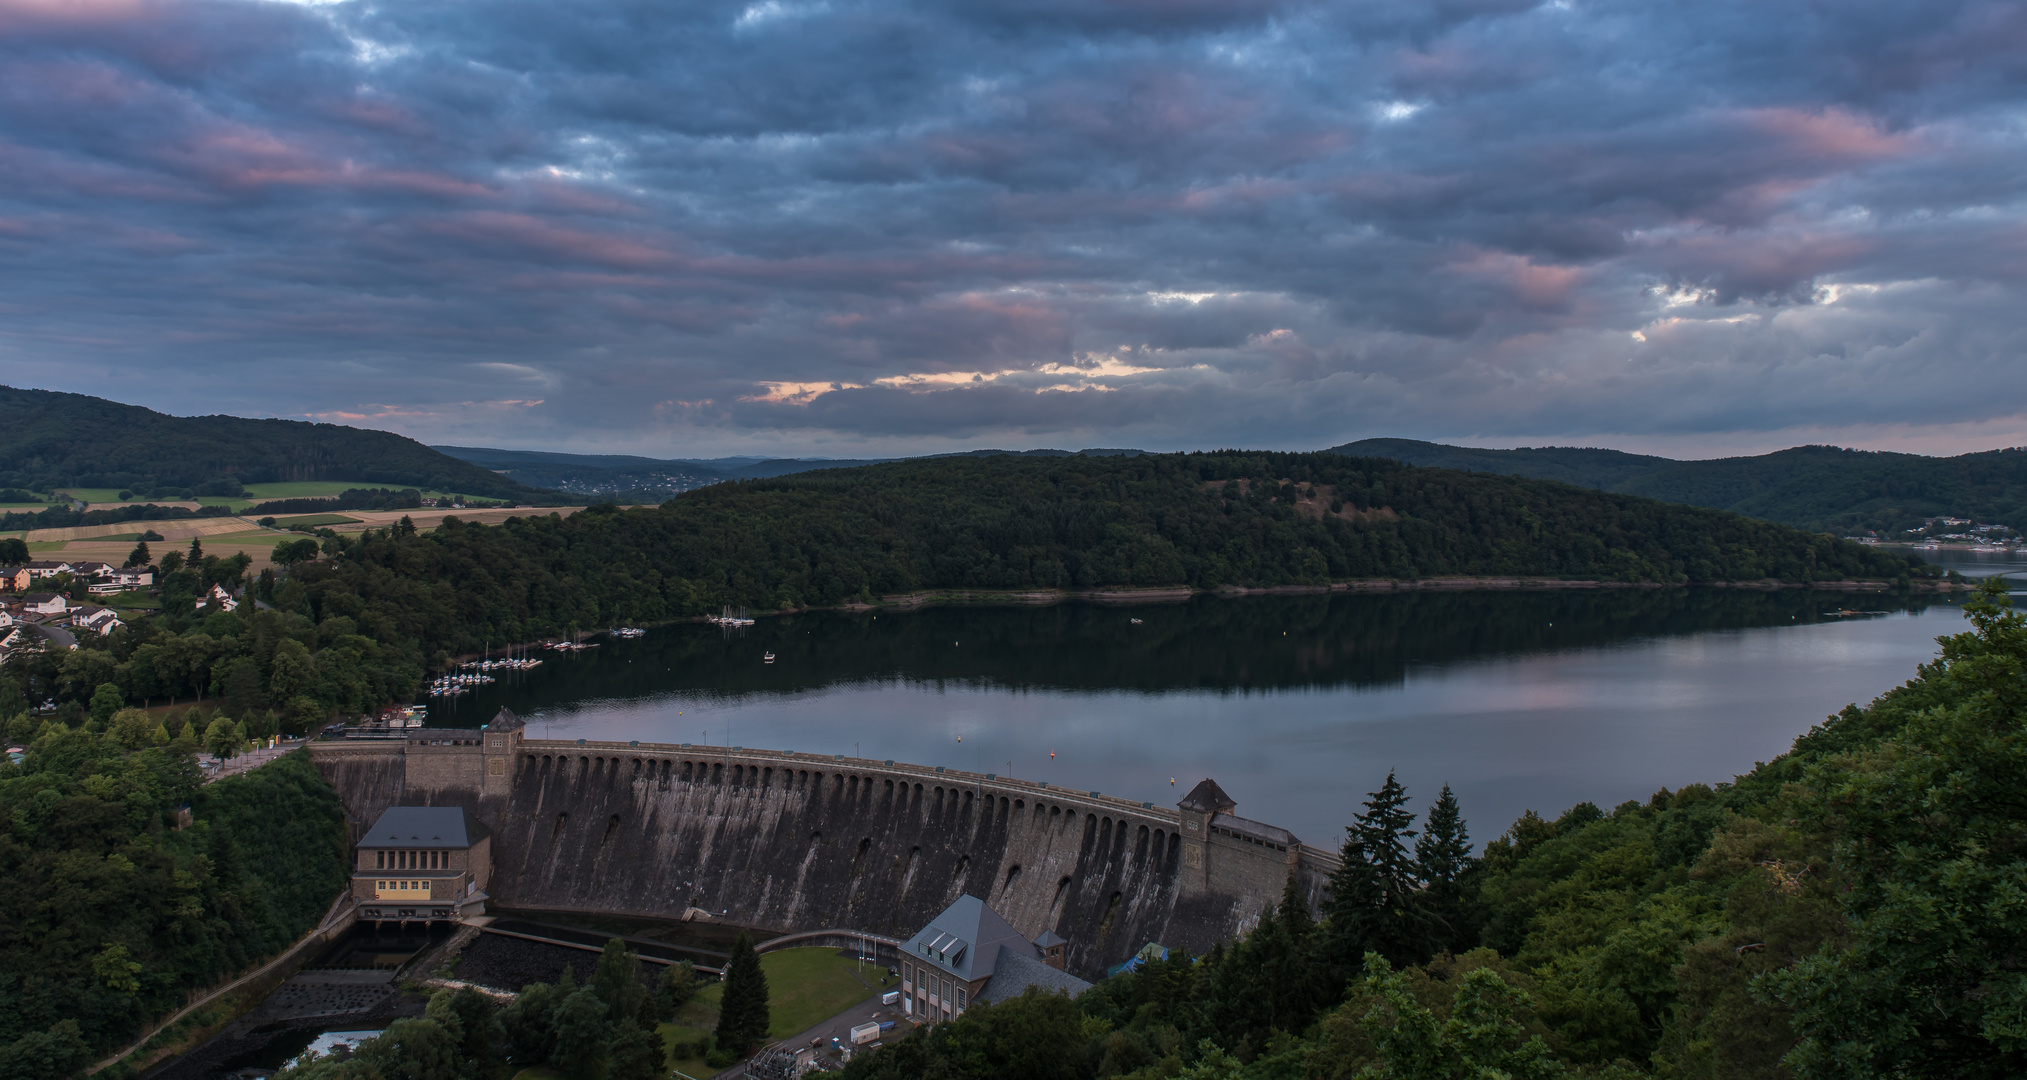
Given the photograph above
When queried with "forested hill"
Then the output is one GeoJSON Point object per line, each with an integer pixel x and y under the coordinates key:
{"type": "Point", "coordinates": [1583, 466]}
{"type": "Point", "coordinates": [1809, 487]}
{"type": "Point", "coordinates": [1011, 523]}
{"type": "Point", "coordinates": [50, 440]}
{"type": "Point", "coordinates": [624, 478]}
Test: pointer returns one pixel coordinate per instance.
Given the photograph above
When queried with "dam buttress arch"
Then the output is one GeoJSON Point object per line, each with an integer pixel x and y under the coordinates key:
{"type": "Point", "coordinates": [792, 842]}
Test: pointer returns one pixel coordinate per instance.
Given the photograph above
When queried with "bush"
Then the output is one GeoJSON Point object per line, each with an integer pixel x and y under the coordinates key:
{"type": "Point", "coordinates": [720, 1058]}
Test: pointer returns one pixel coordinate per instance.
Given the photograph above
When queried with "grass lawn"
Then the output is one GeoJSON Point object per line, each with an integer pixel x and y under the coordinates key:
{"type": "Point", "coordinates": [315, 519]}
{"type": "Point", "coordinates": [131, 601]}
{"type": "Point", "coordinates": [539, 1072]}
{"type": "Point", "coordinates": [804, 988]}
{"type": "Point", "coordinates": [807, 986]}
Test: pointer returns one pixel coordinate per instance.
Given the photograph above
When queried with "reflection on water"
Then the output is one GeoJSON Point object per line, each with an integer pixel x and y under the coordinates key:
{"type": "Point", "coordinates": [1974, 564]}
{"type": "Point", "coordinates": [1297, 705]}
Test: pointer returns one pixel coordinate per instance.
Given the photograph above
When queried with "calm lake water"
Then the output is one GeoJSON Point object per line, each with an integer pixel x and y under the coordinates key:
{"type": "Point", "coordinates": [1298, 706]}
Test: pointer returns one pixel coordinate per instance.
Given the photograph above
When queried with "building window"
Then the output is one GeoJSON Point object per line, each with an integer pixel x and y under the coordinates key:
{"type": "Point", "coordinates": [960, 997]}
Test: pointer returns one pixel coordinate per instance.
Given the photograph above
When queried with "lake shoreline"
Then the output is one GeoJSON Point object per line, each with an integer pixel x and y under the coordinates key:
{"type": "Point", "coordinates": [1177, 594]}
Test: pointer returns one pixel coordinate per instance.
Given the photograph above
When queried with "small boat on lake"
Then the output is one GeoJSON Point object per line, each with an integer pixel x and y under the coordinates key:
{"type": "Point", "coordinates": [767, 658]}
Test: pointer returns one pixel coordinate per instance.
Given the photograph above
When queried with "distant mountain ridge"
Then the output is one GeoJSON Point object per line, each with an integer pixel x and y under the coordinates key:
{"type": "Point", "coordinates": [628, 475]}
{"type": "Point", "coordinates": [50, 439]}
{"type": "Point", "coordinates": [1813, 487]}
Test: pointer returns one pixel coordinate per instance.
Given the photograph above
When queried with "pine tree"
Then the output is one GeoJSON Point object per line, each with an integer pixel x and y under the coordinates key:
{"type": "Point", "coordinates": [1290, 973]}
{"type": "Point", "coordinates": [1375, 899]}
{"type": "Point", "coordinates": [743, 1015]}
{"type": "Point", "coordinates": [1444, 851]}
{"type": "Point", "coordinates": [140, 555]}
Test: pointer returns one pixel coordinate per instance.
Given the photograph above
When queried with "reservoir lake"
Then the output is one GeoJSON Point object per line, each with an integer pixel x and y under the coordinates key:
{"type": "Point", "coordinates": [1298, 706]}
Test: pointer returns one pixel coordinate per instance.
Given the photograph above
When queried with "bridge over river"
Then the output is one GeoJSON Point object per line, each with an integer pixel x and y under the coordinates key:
{"type": "Point", "coordinates": [794, 842]}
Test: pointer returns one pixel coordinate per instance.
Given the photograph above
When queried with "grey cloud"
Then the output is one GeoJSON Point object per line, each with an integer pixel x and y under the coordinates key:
{"type": "Point", "coordinates": [1223, 221]}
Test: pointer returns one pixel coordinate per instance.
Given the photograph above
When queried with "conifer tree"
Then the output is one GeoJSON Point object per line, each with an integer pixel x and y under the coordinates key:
{"type": "Point", "coordinates": [1444, 852]}
{"type": "Point", "coordinates": [1288, 967]}
{"type": "Point", "coordinates": [1375, 902]}
{"type": "Point", "coordinates": [743, 1015]}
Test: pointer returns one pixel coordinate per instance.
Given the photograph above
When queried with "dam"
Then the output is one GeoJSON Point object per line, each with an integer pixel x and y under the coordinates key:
{"type": "Point", "coordinates": [792, 842]}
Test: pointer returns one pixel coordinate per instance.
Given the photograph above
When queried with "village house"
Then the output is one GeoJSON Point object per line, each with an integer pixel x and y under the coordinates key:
{"type": "Point", "coordinates": [133, 577]}
{"type": "Point", "coordinates": [40, 570]}
{"type": "Point", "coordinates": [98, 620]}
{"type": "Point", "coordinates": [969, 954]}
{"type": "Point", "coordinates": [424, 863]}
{"type": "Point", "coordinates": [44, 603]}
{"type": "Point", "coordinates": [14, 578]}
{"type": "Point", "coordinates": [91, 569]}
{"type": "Point", "coordinates": [218, 596]}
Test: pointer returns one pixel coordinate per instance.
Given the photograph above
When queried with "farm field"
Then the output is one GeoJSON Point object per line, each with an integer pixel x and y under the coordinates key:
{"type": "Point", "coordinates": [108, 498]}
{"type": "Point", "coordinates": [315, 520]}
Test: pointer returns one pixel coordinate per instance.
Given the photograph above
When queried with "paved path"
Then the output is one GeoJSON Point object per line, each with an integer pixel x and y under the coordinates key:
{"type": "Point", "coordinates": [252, 759]}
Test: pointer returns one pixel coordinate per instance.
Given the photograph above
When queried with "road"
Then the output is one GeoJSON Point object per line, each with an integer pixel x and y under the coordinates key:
{"type": "Point", "coordinates": [252, 759]}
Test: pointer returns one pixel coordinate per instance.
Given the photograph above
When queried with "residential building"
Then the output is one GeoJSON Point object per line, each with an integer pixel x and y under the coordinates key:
{"type": "Point", "coordinates": [14, 578]}
{"type": "Point", "coordinates": [218, 596]}
{"type": "Point", "coordinates": [970, 954]}
{"type": "Point", "coordinates": [44, 603]}
{"type": "Point", "coordinates": [98, 620]}
{"type": "Point", "coordinates": [133, 577]}
{"type": "Point", "coordinates": [37, 571]}
{"type": "Point", "coordinates": [91, 569]}
{"type": "Point", "coordinates": [422, 863]}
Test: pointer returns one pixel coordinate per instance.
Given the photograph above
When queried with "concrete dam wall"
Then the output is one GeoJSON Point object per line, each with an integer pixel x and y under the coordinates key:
{"type": "Point", "coordinates": [796, 842]}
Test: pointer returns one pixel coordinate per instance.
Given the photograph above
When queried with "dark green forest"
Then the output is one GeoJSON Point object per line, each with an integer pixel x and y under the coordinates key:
{"type": "Point", "coordinates": [1849, 911]}
{"type": "Point", "coordinates": [1849, 908]}
{"type": "Point", "coordinates": [63, 517]}
{"type": "Point", "coordinates": [1809, 487]}
{"type": "Point", "coordinates": [357, 621]}
{"type": "Point", "coordinates": [112, 913]}
{"type": "Point", "coordinates": [50, 440]}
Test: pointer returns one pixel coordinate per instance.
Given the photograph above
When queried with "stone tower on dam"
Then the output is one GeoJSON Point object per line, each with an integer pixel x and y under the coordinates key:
{"type": "Point", "coordinates": [790, 842]}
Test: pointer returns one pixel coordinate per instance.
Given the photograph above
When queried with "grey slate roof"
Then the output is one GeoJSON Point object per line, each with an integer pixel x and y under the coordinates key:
{"type": "Point", "coordinates": [1208, 796]}
{"type": "Point", "coordinates": [1047, 939]}
{"type": "Point", "coordinates": [505, 720]}
{"type": "Point", "coordinates": [967, 940]}
{"type": "Point", "coordinates": [1017, 971]}
{"type": "Point", "coordinates": [424, 827]}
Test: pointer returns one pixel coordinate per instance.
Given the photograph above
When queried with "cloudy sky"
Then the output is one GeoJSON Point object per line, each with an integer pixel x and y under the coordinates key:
{"type": "Point", "coordinates": [882, 226]}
